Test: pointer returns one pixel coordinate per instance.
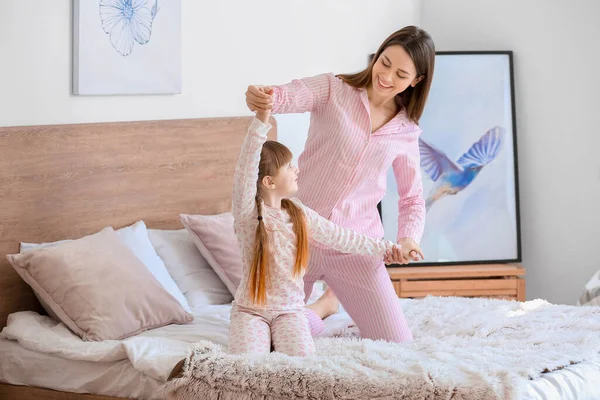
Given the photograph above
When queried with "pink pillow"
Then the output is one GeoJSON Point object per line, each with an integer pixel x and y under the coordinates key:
{"type": "Point", "coordinates": [216, 240]}
{"type": "Point", "coordinates": [98, 288]}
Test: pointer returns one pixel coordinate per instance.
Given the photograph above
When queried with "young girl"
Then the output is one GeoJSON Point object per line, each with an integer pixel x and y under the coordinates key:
{"type": "Point", "coordinates": [273, 231]}
{"type": "Point", "coordinates": [361, 125]}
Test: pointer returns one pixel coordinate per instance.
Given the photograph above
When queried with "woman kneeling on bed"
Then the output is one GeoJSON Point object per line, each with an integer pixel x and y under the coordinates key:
{"type": "Point", "coordinates": [274, 230]}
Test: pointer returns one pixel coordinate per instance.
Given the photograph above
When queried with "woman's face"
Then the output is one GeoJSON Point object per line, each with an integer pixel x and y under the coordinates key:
{"type": "Point", "coordinates": [393, 72]}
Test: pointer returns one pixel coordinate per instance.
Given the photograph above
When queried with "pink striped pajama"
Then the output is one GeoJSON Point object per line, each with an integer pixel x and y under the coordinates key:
{"type": "Point", "coordinates": [281, 321]}
{"type": "Point", "coordinates": [343, 176]}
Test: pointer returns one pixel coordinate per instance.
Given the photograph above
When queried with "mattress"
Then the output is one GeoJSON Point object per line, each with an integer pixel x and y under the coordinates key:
{"type": "Point", "coordinates": [146, 360]}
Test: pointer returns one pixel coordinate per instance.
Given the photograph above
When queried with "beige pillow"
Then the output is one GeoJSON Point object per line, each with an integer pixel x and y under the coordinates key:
{"type": "Point", "coordinates": [215, 238]}
{"type": "Point", "coordinates": [98, 287]}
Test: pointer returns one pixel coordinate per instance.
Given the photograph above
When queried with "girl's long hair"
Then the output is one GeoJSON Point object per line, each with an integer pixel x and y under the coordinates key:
{"type": "Point", "coordinates": [419, 46]}
{"type": "Point", "coordinates": [273, 156]}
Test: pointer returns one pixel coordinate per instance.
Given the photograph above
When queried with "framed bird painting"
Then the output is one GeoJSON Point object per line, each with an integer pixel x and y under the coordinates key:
{"type": "Point", "coordinates": [468, 163]}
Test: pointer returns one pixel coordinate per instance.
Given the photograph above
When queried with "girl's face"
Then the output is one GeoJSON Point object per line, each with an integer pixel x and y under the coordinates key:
{"type": "Point", "coordinates": [285, 183]}
{"type": "Point", "coordinates": [393, 72]}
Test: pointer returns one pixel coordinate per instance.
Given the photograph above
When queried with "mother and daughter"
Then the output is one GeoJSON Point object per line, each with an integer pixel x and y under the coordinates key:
{"type": "Point", "coordinates": [361, 124]}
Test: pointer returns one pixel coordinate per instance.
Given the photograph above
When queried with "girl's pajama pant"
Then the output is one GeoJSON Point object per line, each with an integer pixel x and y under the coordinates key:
{"type": "Point", "coordinates": [363, 286]}
{"type": "Point", "coordinates": [254, 331]}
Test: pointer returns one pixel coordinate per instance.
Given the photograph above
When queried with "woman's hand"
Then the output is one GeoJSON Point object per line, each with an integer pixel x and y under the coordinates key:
{"type": "Point", "coordinates": [405, 251]}
{"type": "Point", "coordinates": [259, 98]}
{"type": "Point", "coordinates": [410, 249]}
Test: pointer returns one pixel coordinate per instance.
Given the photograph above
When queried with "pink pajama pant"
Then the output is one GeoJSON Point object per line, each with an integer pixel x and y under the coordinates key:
{"type": "Point", "coordinates": [254, 331]}
{"type": "Point", "coordinates": [363, 286]}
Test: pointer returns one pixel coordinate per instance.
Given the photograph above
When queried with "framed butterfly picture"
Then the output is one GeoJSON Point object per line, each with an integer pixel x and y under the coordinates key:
{"type": "Point", "coordinates": [123, 47]}
{"type": "Point", "coordinates": [468, 160]}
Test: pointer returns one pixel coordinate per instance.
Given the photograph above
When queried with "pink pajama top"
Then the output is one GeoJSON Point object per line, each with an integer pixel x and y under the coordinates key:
{"type": "Point", "coordinates": [286, 291]}
{"type": "Point", "coordinates": [344, 166]}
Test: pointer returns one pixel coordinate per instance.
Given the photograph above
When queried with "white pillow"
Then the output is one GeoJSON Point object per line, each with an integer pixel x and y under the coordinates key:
{"type": "Point", "coordinates": [136, 238]}
{"type": "Point", "coordinates": [195, 278]}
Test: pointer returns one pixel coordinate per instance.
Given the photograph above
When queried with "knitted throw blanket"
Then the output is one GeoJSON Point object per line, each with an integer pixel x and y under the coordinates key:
{"type": "Point", "coordinates": [463, 349]}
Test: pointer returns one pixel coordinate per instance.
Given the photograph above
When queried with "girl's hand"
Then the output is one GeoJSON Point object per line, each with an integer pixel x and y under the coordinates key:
{"type": "Point", "coordinates": [263, 116]}
{"type": "Point", "coordinates": [395, 256]}
{"type": "Point", "coordinates": [259, 98]}
{"type": "Point", "coordinates": [410, 249]}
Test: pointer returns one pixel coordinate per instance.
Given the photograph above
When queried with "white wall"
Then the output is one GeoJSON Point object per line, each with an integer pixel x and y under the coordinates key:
{"type": "Point", "coordinates": [556, 48]}
{"type": "Point", "coordinates": [227, 45]}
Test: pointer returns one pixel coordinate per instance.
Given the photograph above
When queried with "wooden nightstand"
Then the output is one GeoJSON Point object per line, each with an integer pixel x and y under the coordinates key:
{"type": "Point", "coordinates": [502, 281]}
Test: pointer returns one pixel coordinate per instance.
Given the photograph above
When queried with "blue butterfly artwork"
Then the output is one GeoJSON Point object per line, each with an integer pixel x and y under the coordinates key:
{"type": "Point", "coordinates": [451, 177]}
{"type": "Point", "coordinates": [128, 22]}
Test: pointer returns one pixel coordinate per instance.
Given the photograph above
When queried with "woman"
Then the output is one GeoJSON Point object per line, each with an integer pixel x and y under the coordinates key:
{"type": "Point", "coordinates": [361, 124]}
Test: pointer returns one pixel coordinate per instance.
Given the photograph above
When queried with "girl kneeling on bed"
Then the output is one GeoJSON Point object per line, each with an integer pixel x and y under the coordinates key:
{"type": "Point", "coordinates": [274, 231]}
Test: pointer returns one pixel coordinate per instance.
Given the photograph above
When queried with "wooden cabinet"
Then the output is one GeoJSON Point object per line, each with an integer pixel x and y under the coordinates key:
{"type": "Point", "coordinates": [503, 281]}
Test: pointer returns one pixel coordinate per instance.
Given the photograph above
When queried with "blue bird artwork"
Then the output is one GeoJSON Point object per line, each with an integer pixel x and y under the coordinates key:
{"type": "Point", "coordinates": [451, 177]}
{"type": "Point", "coordinates": [127, 22]}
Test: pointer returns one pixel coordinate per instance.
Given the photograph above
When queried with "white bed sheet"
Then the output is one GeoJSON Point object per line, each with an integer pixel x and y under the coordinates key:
{"type": "Point", "coordinates": [577, 382]}
{"type": "Point", "coordinates": [20, 366]}
{"type": "Point", "coordinates": [138, 367]}
{"type": "Point", "coordinates": [37, 351]}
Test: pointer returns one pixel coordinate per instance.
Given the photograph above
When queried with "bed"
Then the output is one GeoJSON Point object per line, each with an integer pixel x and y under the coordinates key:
{"type": "Point", "coordinates": [67, 181]}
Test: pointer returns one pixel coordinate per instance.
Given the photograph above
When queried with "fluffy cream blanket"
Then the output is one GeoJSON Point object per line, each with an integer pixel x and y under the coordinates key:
{"type": "Point", "coordinates": [463, 349]}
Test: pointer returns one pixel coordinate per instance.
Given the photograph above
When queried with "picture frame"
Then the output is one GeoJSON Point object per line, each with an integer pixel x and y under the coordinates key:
{"type": "Point", "coordinates": [127, 47]}
{"type": "Point", "coordinates": [469, 163]}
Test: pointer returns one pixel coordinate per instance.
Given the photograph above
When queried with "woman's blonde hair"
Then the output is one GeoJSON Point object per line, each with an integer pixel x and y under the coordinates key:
{"type": "Point", "coordinates": [273, 156]}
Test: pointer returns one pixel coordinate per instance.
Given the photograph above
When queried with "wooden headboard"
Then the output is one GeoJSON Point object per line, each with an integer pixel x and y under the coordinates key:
{"type": "Point", "coordinates": [66, 181]}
